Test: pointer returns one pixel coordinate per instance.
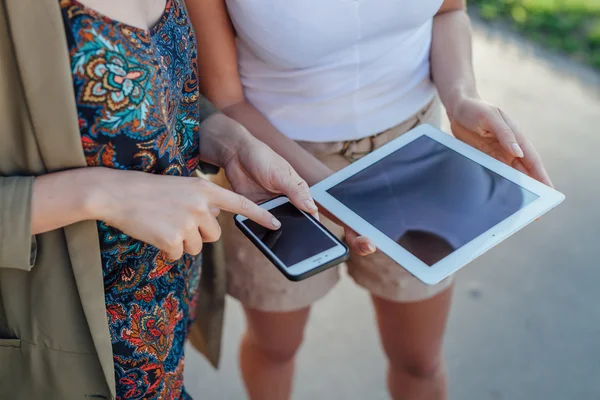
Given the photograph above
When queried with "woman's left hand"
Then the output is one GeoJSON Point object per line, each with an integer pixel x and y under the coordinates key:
{"type": "Point", "coordinates": [253, 169]}
{"type": "Point", "coordinates": [489, 129]}
{"type": "Point", "coordinates": [257, 172]}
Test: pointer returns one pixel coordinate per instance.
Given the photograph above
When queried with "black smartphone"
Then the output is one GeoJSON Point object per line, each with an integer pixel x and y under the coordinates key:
{"type": "Point", "coordinates": [301, 247]}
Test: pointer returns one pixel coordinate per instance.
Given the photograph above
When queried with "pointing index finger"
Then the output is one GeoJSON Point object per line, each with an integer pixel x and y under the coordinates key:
{"type": "Point", "coordinates": [238, 204]}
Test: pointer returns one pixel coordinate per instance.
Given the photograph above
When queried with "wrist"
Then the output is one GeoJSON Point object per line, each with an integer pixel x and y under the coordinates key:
{"type": "Point", "coordinates": [221, 138]}
{"type": "Point", "coordinates": [456, 97]}
{"type": "Point", "coordinates": [94, 200]}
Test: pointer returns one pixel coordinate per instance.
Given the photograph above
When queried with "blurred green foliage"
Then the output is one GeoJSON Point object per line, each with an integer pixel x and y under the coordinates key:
{"type": "Point", "coordinates": [570, 26]}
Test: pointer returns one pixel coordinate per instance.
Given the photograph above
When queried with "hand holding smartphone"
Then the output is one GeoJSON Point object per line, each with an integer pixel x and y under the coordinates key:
{"type": "Point", "coordinates": [301, 247]}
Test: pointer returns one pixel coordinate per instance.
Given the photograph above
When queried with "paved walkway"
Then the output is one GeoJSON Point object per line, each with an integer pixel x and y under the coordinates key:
{"type": "Point", "coordinates": [526, 319]}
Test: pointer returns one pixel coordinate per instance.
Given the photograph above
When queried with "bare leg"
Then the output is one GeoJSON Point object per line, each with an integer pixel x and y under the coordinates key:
{"type": "Point", "coordinates": [412, 333]}
{"type": "Point", "coordinates": [268, 351]}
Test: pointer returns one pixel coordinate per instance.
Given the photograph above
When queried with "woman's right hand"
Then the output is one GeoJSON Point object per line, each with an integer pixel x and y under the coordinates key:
{"type": "Point", "coordinates": [175, 214]}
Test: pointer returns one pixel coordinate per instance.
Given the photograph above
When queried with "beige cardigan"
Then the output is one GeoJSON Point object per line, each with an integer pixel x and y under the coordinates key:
{"type": "Point", "coordinates": [54, 338]}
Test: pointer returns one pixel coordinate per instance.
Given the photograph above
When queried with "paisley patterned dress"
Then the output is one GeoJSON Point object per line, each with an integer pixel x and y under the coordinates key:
{"type": "Point", "coordinates": [139, 109]}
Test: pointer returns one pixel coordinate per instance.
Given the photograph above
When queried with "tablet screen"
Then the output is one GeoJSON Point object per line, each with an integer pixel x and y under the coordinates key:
{"type": "Point", "coordinates": [430, 199]}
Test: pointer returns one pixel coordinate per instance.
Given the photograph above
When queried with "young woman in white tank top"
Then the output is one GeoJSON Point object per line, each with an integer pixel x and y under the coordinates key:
{"type": "Point", "coordinates": [323, 82]}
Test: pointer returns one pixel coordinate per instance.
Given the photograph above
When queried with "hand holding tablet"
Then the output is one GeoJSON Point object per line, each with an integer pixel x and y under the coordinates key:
{"type": "Point", "coordinates": [429, 182]}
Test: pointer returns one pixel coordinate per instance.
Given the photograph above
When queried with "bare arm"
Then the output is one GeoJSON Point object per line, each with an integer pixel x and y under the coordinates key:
{"type": "Point", "coordinates": [480, 124]}
{"type": "Point", "coordinates": [220, 83]}
{"type": "Point", "coordinates": [451, 56]}
{"type": "Point", "coordinates": [175, 214]}
{"type": "Point", "coordinates": [64, 198]}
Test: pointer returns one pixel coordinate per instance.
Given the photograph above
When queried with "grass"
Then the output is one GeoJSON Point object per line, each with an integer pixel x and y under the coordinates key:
{"type": "Point", "coordinates": [569, 26]}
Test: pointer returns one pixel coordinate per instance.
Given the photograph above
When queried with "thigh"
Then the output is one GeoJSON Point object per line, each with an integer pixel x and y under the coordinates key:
{"type": "Point", "coordinates": [279, 334]}
{"type": "Point", "coordinates": [412, 333]}
{"type": "Point", "coordinates": [386, 279]}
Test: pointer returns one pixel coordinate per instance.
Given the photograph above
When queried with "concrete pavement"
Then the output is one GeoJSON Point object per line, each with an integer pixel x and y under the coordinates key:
{"type": "Point", "coordinates": [526, 317]}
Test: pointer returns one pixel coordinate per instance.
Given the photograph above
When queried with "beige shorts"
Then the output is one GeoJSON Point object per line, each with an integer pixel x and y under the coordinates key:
{"type": "Point", "coordinates": [257, 284]}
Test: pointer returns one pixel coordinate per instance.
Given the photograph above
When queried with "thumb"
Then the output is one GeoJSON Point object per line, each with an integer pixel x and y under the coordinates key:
{"type": "Point", "coordinates": [361, 245]}
{"type": "Point", "coordinates": [288, 182]}
{"type": "Point", "coordinates": [496, 124]}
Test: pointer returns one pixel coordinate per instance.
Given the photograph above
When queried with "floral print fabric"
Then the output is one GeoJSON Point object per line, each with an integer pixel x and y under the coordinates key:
{"type": "Point", "coordinates": [137, 99]}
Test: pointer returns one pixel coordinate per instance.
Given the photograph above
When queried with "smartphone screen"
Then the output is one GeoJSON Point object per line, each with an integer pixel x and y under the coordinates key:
{"type": "Point", "coordinates": [298, 239]}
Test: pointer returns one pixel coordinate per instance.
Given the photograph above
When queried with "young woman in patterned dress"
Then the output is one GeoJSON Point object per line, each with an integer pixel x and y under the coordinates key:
{"type": "Point", "coordinates": [144, 128]}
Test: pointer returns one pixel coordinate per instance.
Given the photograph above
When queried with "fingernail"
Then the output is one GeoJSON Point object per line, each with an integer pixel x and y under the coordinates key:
{"type": "Point", "coordinates": [367, 248]}
{"type": "Point", "coordinates": [310, 204]}
{"type": "Point", "coordinates": [276, 223]}
{"type": "Point", "coordinates": [372, 248]}
{"type": "Point", "coordinates": [517, 150]}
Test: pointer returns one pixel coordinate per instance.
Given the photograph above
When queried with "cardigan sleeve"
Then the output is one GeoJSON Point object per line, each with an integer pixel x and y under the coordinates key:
{"type": "Point", "coordinates": [18, 247]}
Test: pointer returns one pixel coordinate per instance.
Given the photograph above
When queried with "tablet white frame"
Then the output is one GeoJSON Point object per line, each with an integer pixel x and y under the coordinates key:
{"type": "Point", "coordinates": [548, 198]}
{"type": "Point", "coordinates": [310, 263]}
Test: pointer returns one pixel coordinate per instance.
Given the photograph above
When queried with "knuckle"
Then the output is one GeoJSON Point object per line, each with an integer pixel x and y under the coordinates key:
{"type": "Point", "coordinates": [198, 187]}
{"type": "Point", "coordinates": [200, 200]}
{"type": "Point", "coordinates": [195, 250]}
{"type": "Point", "coordinates": [244, 204]}
{"type": "Point", "coordinates": [214, 234]}
{"type": "Point", "coordinates": [174, 241]}
{"type": "Point", "coordinates": [190, 227]}
{"type": "Point", "coordinates": [202, 210]}
{"type": "Point", "coordinates": [481, 115]}
{"type": "Point", "coordinates": [168, 244]}
{"type": "Point", "coordinates": [272, 173]}
{"type": "Point", "coordinates": [301, 183]}
{"type": "Point", "coordinates": [200, 206]}
{"type": "Point", "coordinates": [202, 186]}
{"type": "Point", "coordinates": [201, 182]}
{"type": "Point", "coordinates": [173, 252]}
{"type": "Point", "coordinates": [302, 188]}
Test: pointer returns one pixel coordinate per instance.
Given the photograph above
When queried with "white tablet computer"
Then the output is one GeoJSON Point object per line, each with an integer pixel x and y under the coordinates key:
{"type": "Point", "coordinates": [427, 192]}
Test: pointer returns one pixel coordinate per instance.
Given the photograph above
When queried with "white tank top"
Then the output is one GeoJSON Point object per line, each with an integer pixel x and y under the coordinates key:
{"type": "Point", "coordinates": [331, 70]}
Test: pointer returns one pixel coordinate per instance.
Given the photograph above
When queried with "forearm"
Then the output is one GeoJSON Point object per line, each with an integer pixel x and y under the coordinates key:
{"type": "Point", "coordinates": [64, 198]}
{"type": "Point", "coordinates": [451, 58]}
{"type": "Point", "coordinates": [308, 167]}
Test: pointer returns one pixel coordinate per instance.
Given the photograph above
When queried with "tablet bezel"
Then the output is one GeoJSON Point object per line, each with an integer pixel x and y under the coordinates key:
{"type": "Point", "coordinates": [548, 198]}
